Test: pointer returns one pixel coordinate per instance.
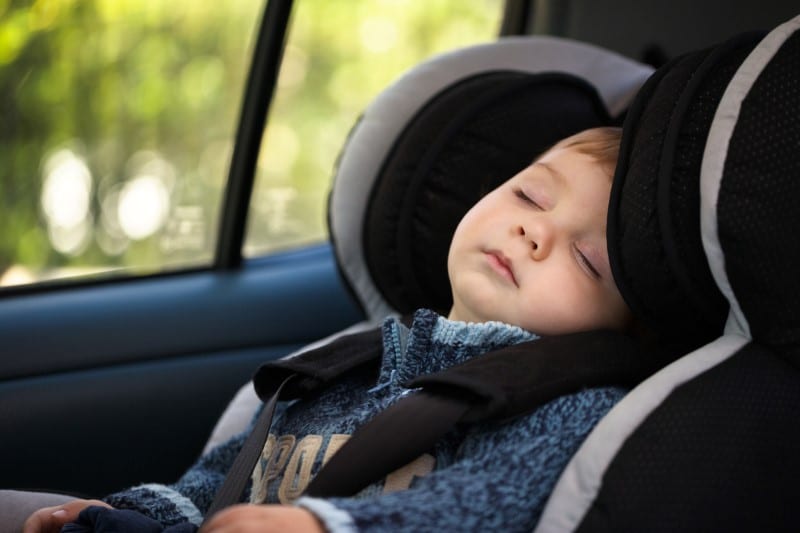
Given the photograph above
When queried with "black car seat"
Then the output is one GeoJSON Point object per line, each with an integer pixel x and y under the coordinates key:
{"type": "Point", "coordinates": [700, 237]}
{"type": "Point", "coordinates": [703, 223]}
{"type": "Point", "coordinates": [455, 127]}
{"type": "Point", "coordinates": [447, 132]}
{"type": "Point", "coordinates": [431, 144]}
{"type": "Point", "coordinates": [701, 240]}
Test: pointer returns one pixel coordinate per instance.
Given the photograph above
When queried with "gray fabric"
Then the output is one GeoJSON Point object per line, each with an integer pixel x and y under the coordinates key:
{"type": "Point", "coordinates": [16, 506]}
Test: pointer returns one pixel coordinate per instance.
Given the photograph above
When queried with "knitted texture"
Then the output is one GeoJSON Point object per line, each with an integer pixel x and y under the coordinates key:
{"type": "Point", "coordinates": [485, 475]}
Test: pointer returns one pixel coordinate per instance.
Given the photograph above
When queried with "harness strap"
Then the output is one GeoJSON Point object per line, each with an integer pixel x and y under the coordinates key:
{"type": "Point", "coordinates": [318, 367]}
{"type": "Point", "coordinates": [287, 379]}
{"type": "Point", "coordinates": [405, 429]}
{"type": "Point", "coordinates": [495, 386]}
{"type": "Point", "coordinates": [235, 481]}
{"type": "Point", "coordinates": [517, 379]}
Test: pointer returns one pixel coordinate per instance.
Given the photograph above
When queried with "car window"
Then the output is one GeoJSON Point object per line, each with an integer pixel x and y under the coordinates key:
{"type": "Point", "coordinates": [120, 117]}
{"type": "Point", "coordinates": [339, 55]}
{"type": "Point", "coordinates": [118, 123]}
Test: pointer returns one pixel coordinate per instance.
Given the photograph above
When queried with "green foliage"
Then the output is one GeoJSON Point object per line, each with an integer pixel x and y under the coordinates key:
{"type": "Point", "coordinates": [118, 118]}
{"type": "Point", "coordinates": [107, 80]}
{"type": "Point", "coordinates": [340, 55]}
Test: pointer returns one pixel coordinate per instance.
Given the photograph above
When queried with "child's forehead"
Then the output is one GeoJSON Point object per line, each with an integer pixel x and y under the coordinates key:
{"type": "Point", "coordinates": [544, 167]}
{"type": "Point", "coordinates": [565, 159]}
{"type": "Point", "coordinates": [560, 161]}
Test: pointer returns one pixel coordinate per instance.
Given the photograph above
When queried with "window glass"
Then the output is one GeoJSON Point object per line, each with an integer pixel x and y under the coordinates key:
{"type": "Point", "coordinates": [339, 56]}
{"type": "Point", "coordinates": [118, 123]}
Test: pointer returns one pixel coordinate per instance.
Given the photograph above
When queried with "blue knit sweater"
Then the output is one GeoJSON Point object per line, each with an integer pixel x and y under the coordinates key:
{"type": "Point", "coordinates": [479, 477]}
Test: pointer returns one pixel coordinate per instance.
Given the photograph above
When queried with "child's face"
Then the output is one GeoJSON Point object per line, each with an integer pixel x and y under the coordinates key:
{"type": "Point", "coordinates": [533, 252]}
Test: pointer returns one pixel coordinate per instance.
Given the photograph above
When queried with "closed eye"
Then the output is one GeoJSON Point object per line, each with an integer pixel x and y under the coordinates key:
{"type": "Point", "coordinates": [519, 193]}
{"type": "Point", "coordinates": [587, 265]}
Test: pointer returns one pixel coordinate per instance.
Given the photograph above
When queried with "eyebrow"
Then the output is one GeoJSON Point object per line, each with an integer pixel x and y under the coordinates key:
{"type": "Point", "coordinates": [553, 171]}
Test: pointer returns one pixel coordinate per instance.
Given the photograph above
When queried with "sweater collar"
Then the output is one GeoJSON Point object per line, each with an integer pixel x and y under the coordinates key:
{"type": "Point", "coordinates": [434, 343]}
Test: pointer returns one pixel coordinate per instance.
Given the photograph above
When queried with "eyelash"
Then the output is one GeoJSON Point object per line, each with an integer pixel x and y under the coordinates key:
{"type": "Point", "coordinates": [581, 258]}
{"type": "Point", "coordinates": [519, 193]}
{"type": "Point", "coordinates": [586, 263]}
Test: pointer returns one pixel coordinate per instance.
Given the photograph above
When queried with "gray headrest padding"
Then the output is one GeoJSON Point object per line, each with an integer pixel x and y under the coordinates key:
{"type": "Point", "coordinates": [616, 79]}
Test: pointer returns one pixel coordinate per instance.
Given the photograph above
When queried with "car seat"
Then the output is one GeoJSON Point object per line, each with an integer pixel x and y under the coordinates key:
{"type": "Point", "coordinates": [430, 145]}
{"type": "Point", "coordinates": [702, 222]}
{"type": "Point", "coordinates": [698, 238]}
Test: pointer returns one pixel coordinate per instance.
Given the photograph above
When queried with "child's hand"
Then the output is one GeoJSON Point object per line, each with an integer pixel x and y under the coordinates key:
{"type": "Point", "coordinates": [51, 519]}
{"type": "Point", "coordinates": [262, 519]}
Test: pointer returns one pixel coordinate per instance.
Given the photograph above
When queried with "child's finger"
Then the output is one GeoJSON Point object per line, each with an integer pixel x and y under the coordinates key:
{"type": "Point", "coordinates": [52, 519]}
{"type": "Point", "coordinates": [46, 520]}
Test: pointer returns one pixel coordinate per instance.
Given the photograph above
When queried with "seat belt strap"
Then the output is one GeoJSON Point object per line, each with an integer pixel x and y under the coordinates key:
{"type": "Point", "coordinates": [287, 379]}
{"type": "Point", "coordinates": [320, 366]}
{"type": "Point", "coordinates": [407, 429]}
{"type": "Point", "coordinates": [496, 386]}
{"type": "Point", "coordinates": [236, 480]}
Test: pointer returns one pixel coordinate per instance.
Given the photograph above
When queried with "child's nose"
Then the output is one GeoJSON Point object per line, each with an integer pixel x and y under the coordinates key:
{"type": "Point", "coordinates": [538, 239]}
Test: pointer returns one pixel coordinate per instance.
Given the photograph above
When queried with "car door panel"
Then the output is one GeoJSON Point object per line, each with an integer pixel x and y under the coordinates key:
{"type": "Point", "coordinates": [110, 385]}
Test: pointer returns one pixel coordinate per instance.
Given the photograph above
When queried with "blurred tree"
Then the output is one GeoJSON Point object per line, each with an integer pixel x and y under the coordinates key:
{"type": "Point", "coordinates": [109, 81]}
{"type": "Point", "coordinates": [340, 55]}
{"type": "Point", "coordinates": [118, 118]}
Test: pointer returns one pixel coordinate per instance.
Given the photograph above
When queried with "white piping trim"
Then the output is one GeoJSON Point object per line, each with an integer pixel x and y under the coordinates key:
{"type": "Point", "coordinates": [578, 486]}
{"type": "Point", "coordinates": [715, 156]}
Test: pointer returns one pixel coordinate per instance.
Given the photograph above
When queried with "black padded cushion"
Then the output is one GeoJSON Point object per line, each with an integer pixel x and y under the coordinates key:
{"type": "Point", "coordinates": [466, 141]}
{"type": "Point", "coordinates": [758, 214]}
{"type": "Point", "coordinates": [721, 455]}
{"type": "Point", "coordinates": [654, 238]}
{"type": "Point", "coordinates": [720, 452]}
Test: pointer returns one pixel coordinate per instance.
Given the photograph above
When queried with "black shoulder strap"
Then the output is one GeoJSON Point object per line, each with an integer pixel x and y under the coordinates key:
{"type": "Point", "coordinates": [287, 379]}
{"type": "Point", "coordinates": [236, 480]}
{"type": "Point", "coordinates": [517, 379]}
{"type": "Point", "coordinates": [502, 384]}
{"type": "Point", "coordinates": [318, 367]}
{"type": "Point", "coordinates": [393, 438]}
{"type": "Point", "coordinates": [498, 385]}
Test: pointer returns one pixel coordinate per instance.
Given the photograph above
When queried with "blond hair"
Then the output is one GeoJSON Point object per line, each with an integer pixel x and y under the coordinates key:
{"type": "Point", "coordinates": [602, 144]}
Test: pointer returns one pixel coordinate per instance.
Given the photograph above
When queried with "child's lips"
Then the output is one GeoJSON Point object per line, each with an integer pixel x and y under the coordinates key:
{"type": "Point", "coordinates": [501, 265]}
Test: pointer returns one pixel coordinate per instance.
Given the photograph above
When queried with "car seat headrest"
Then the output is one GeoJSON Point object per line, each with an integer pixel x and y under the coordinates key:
{"type": "Point", "coordinates": [654, 244]}
{"type": "Point", "coordinates": [446, 133]}
{"type": "Point", "coordinates": [753, 166]}
{"type": "Point", "coordinates": [470, 139]}
{"type": "Point", "coordinates": [703, 211]}
{"type": "Point", "coordinates": [716, 129]}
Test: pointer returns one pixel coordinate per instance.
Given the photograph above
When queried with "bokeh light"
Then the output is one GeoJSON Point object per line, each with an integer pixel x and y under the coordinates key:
{"type": "Point", "coordinates": [65, 196]}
